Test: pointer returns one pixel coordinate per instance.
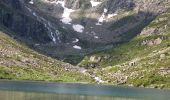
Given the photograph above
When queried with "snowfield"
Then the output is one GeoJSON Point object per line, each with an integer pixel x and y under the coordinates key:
{"type": "Point", "coordinates": [31, 2]}
{"type": "Point", "coordinates": [77, 47]}
{"type": "Point", "coordinates": [75, 41]}
{"type": "Point", "coordinates": [78, 28]}
{"type": "Point", "coordinates": [94, 3]}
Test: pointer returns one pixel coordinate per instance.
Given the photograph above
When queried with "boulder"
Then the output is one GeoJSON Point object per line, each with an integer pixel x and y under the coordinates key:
{"type": "Point", "coordinates": [162, 56]}
{"type": "Point", "coordinates": [157, 41]}
{"type": "Point", "coordinates": [95, 59]}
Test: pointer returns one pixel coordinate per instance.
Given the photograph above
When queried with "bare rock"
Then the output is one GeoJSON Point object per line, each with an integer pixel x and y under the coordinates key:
{"type": "Point", "coordinates": [158, 41]}
{"type": "Point", "coordinates": [147, 31]}
{"type": "Point", "coordinates": [95, 59]}
{"type": "Point", "coordinates": [162, 56]}
{"type": "Point", "coordinates": [152, 42]}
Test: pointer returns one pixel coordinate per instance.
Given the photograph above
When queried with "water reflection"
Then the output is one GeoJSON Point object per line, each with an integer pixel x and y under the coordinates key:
{"type": "Point", "coordinates": [58, 91]}
{"type": "Point", "coordinates": [13, 95]}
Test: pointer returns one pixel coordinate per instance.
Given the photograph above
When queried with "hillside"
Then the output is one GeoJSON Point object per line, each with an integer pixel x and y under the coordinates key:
{"type": "Point", "coordinates": [18, 62]}
{"type": "Point", "coordinates": [143, 61]}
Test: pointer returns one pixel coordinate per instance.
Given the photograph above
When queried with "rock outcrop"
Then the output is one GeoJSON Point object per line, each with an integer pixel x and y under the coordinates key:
{"type": "Point", "coordinates": [11, 17]}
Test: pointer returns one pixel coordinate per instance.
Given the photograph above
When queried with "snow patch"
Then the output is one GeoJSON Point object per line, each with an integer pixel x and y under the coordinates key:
{"type": "Point", "coordinates": [75, 41]}
{"type": "Point", "coordinates": [78, 28]}
{"type": "Point", "coordinates": [105, 16]}
{"type": "Point", "coordinates": [111, 15]}
{"type": "Point", "coordinates": [94, 3]}
{"type": "Point", "coordinates": [60, 2]}
{"type": "Point", "coordinates": [77, 47]}
{"type": "Point", "coordinates": [31, 2]}
{"type": "Point", "coordinates": [105, 10]}
{"type": "Point", "coordinates": [102, 18]}
{"type": "Point", "coordinates": [66, 14]}
{"type": "Point", "coordinates": [96, 37]}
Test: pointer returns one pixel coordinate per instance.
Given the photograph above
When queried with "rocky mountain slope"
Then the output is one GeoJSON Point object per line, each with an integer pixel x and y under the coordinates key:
{"type": "Point", "coordinates": [77, 27]}
{"type": "Point", "coordinates": [143, 61]}
{"type": "Point", "coordinates": [118, 41]}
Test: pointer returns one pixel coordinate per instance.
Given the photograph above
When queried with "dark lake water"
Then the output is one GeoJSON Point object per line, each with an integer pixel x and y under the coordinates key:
{"type": "Point", "coordinates": [25, 90]}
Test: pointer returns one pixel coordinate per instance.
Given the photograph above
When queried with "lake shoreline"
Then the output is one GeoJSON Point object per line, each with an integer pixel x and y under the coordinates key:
{"type": "Point", "coordinates": [83, 89]}
{"type": "Point", "coordinates": [82, 83]}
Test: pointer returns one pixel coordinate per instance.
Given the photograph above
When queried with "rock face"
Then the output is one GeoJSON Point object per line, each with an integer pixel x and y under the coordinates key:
{"type": "Point", "coordinates": [152, 42]}
{"type": "Point", "coordinates": [95, 59]}
{"type": "Point", "coordinates": [77, 4]}
{"type": "Point", "coordinates": [156, 6]}
{"type": "Point", "coordinates": [14, 3]}
{"type": "Point", "coordinates": [117, 5]}
{"type": "Point", "coordinates": [23, 25]}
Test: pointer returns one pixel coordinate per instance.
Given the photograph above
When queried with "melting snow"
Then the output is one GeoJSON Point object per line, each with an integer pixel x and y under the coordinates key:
{"type": "Point", "coordinates": [78, 28]}
{"type": "Point", "coordinates": [96, 37]}
{"type": "Point", "coordinates": [105, 10]}
{"type": "Point", "coordinates": [102, 18]}
{"type": "Point", "coordinates": [111, 15]}
{"type": "Point", "coordinates": [60, 2]}
{"type": "Point", "coordinates": [31, 2]}
{"type": "Point", "coordinates": [77, 47]}
{"type": "Point", "coordinates": [95, 3]}
{"type": "Point", "coordinates": [105, 16]}
{"type": "Point", "coordinates": [34, 14]}
{"type": "Point", "coordinates": [75, 41]}
{"type": "Point", "coordinates": [66, 14]}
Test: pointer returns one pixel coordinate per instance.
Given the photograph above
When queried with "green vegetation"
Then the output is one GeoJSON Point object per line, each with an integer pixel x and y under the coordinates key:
{"type": "Point", "coordinates": [135, 62]}
{"type": "Point", "coordinates": [18, 62]}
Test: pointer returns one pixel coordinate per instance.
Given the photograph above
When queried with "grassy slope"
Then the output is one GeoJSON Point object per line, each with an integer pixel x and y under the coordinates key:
{"type": "Point", "coordinates": [19, 62]}
{"type": "Point", "coordinates": [147, 70]}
